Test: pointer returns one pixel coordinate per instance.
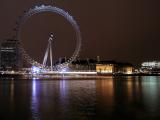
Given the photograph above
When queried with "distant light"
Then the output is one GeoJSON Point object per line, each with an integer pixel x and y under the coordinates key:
{"type": "Point", "coordinates": [35, 70]}
{"type": "Point", "coordinates": [151, 64]}
{"type": "Point", "coordinates": [129, 72]}
{"type": "Point", "coordinates": [64, 70]}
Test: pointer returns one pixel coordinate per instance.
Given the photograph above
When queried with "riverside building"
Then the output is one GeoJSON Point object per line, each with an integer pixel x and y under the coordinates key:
{"type": "Point", "coordinates": [150, 67]}
{"type": "Point", "coordinates": [9, 55]}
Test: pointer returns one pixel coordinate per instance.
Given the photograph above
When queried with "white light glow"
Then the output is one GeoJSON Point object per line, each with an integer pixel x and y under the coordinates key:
{"type": "Point", "coordinates": [35, 70]}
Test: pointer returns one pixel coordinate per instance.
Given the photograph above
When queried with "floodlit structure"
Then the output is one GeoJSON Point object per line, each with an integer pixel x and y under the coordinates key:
{"type": "Point", "coordinates": [48, 8]}
{"type": "Point", "coordinates": [150, 67]}
{"type": "Point", "coordinates": [105, 68]}
{"type": "Point", "coordinates": [153, 64]}
{"type": "Point", "coordinates": [10, 56]}
{"type": "Point", "coordinates": [127, 70]}
{"type": "Point", "coordinates": [124, 68]}
{"type": "Point", "coordinates": [49, 51]}
{"type": "Point", "coordinates": [112, 67]}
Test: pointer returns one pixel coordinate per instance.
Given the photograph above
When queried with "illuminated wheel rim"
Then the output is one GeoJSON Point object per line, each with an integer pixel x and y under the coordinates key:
{"type": "Point", "coordinates": [52, 9]}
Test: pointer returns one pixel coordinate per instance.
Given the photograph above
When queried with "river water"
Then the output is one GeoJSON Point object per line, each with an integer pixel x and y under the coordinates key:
{"type": "Point", "coordinates": [133, 98]}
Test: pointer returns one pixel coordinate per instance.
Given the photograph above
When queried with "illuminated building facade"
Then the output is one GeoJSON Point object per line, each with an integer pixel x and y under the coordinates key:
{"type": "Point", "coordinates": [124, 68]}
{"type": "Point", "coordinates": [9, 55]}
{"type": "Point", "coordinates": [107, 67]}
{"type": "Point", "coordinates": [101, 67]}
{"type": "Point", "coordinates": [153, 64]}
{"type": "Point", "coordinates": [150, 67]}
{"type": "Point", "coordinates": [112, 67]}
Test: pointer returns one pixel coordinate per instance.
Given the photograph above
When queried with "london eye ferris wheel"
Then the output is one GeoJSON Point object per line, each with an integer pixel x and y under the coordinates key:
{"type": "Point", "coordinates": [55, 10]}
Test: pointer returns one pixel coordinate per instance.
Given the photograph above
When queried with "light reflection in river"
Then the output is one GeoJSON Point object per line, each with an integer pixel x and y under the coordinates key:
{"type": "Point", "coordinates": [12, 90]}
{"type": "Point", "coordinates": [112, 98]}
{"type": "Point", "coordinates": [151, 90]}
{"type": "Point", "coordinates": [35, 101]}
{"type": "Point", "coordinates": [63, 89]}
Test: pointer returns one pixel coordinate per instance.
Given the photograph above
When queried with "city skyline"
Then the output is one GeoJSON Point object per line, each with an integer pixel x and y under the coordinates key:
{"type": "Point", "coordinates": [114, 30]}
{"type": "Point", "coordinates": [79, 59]}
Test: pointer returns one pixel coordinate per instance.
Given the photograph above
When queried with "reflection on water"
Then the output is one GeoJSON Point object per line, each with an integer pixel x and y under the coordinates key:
{"type": "Point", "coordinates": [151, 88]}
{"type": "Point", "coordinates": [35, 101]}
{"type": "Point", "coordinates": [12, 90]}
{"type": "Point", "coordinates": [63, 91]}
{"type": "Point", "coordinates": [112, 98]}
{"type": "Point", "coordinates": [105, 88]}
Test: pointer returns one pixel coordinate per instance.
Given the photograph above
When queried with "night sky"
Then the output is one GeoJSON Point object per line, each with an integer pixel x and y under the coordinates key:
{"type": "Point", "coordinates": [121, 30]}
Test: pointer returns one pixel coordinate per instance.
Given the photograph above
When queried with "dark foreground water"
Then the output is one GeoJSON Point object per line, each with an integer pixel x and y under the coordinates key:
{"type": "Point", "coordinates": [127, 98]}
